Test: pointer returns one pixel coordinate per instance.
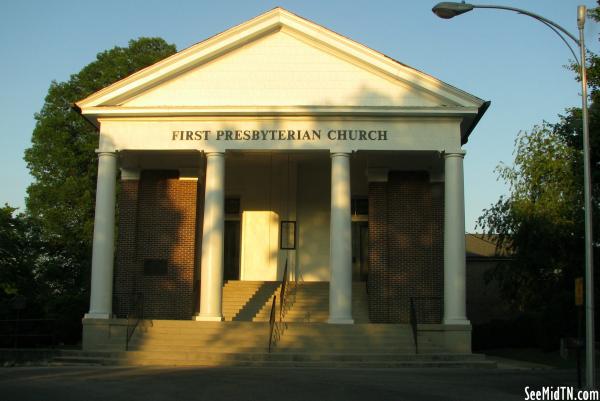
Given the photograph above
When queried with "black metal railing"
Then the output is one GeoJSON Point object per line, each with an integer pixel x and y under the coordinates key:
{"type": "Point", "coordinates": [287, 297]}
{"type": "Point", "coordinates": [27, 333]}
{"type": "Point", "coordinates": [272, 322]}
{"type": "Point", "coordinates": [423, 310]}
{"type": "Point", "coordinates": [282, 293]}
{"type": "Point", "coordinates": [134, 317]}
{"type": "Point", "coordinates": [413, 324]}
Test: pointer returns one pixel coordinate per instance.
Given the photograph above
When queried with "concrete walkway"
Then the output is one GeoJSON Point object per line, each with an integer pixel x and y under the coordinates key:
{"type": "Point", "coordinates": [91, 383]}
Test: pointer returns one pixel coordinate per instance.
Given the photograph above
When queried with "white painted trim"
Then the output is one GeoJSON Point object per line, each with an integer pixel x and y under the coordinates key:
{"type": "Point", "coordinates": [130, 174]}
{"type": "Point", "coordinates": [279, 110]}
{"type": "Point", "coordinates": [436, 177]}
{"type": "Point", "coordinates": [377, 174]}
{"type": "Point", "coordinates": [188, 174]}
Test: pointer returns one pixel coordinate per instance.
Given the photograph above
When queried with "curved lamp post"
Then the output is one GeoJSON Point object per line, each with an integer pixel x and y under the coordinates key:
{"type": "Point", "coordinates": [448, 10]}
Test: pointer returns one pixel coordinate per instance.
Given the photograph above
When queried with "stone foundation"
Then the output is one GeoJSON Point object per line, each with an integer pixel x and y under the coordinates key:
{"type": "Point", "coordinates": [104, 334]}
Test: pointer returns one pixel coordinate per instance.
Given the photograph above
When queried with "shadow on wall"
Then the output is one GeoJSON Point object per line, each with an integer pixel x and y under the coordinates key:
{"type": "Point", "coordinates": [407, 249]}
{"type": "Point", "coordinates": [266, 199]}
{"type": "Point", "coordinates": [156, 247]}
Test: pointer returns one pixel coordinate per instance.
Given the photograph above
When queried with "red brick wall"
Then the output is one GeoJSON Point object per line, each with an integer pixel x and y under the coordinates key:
{"type": "Point", "coordinates": [378, 252]}
{"type": "Point", "coordinates": [406, 248]}
{"type": "Point", "coordinates": [158, 223]}
{"type": "Point", "coordinates": [127, 270]}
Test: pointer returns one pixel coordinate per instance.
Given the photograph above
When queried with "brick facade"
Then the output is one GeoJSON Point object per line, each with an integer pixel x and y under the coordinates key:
{"type": "Point", "coordinates": [157, 222]}
{"type": "Point", "coordinates": [127, 272]}
{"type": "Point", "coordinates": [405, 248]}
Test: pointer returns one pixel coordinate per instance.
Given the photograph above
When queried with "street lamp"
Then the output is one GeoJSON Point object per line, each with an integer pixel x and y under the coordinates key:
{"type": "Point", "coordinates": [449, 10]}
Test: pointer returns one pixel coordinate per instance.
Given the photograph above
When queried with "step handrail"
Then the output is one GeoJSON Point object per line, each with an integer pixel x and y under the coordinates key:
{"type": "Point", "coordinates": [286, 299]}
{"type": "Point", "coordinates": [283, 294]}
{"type": "Point", "coordinates": [134, 317]}
{"type": "Point", "coordinates": [272, 321]}
{"type": "Point", "coordinates": [414, 321]}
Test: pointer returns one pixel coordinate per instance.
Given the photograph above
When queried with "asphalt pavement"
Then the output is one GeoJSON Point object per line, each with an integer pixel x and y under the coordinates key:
{"type": "Point", "coordinates": [91, 383]}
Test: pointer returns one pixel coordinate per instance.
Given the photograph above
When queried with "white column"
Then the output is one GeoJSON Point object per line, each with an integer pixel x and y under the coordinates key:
{"type": "Point", "coordinates": [340, 242]}
{"type": "Point", "coordinates": [211, 276]}
{"type": "Point", "coordinates": [104, 235]}
{"type": "Point", "coordinates": [455, 307]}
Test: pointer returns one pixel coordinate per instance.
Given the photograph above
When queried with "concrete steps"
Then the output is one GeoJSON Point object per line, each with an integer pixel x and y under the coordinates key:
{"type": "Point", "coordinates": [287, 360]}
{"type": "Point", "coordinates": [252, 300]}
{"type": "Point", "coordinates": [308, 345]}
{"type": "Point", "coordinates": [164, 335]}
{"type": "Point", "coordinates": [243, 300]}
{"type": "Point", "coordinates": [361, 338]}
{"type": "Point", "coordinates": [307, 340]}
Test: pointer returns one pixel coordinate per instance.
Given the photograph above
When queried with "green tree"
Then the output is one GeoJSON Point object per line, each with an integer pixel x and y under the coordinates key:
{"type": "Point", "coordinates": [541, 219]}
{"type": "Point", "coordinates": [18, 254]}
{"type": "Point", "coordinates": [571, 125]}
{"type": "Point", "coordinates": [63, 164]}
{"type": "Point", "coordinates": [540, 222]}
{"type": "Point", "coordinates": [537, 220]}
{"type": "Point", "coordinates": [36, 270]}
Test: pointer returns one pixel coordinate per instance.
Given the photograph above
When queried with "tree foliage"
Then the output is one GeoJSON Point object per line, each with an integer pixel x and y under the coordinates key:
{"type": "Point", "coordinates": [61, 158]}
{"type": "Point", "coordinates": [40, 272]}
{"type": "Point", "coordinates": [63, 163]}
{"type": "Point", "coordinates": [541, 219]}
{"type": "Point", "coordinates": [18, 255]}
{"type": "Point", "coordinates": [537, 221]}
{"type": "Point", "coordinates": [571, 125]}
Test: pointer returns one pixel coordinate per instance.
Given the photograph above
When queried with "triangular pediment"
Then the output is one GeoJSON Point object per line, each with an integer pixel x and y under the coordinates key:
{"type": "Point", "coordinates": [281, 63]}
{"type": "Point", "coordinates": [276, 59]}
{"type": "Point", "coordinates": [282, 69]}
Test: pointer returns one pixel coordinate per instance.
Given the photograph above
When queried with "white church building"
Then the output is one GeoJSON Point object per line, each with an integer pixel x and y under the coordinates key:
{"type": "Point", "coordinates": [280, 143]}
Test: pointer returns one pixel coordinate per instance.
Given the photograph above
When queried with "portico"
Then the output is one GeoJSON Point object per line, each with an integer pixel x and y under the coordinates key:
{"type": "Point", "coordinates": [231, 165]}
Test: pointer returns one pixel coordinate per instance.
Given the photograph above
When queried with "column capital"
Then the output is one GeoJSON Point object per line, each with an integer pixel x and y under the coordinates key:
{"type": "Point", "coordinates": [110, 153]}
{"type": "Point", "coordinates": [337, 154]}
{"type": "Point", "coordinates": [454, 153]}
{"type": "Point", "coordinates": [213, 154]}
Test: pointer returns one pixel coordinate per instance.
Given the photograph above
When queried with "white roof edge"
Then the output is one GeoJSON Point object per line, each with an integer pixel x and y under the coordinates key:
{"type": "Point", "coordinates": [99, 112]}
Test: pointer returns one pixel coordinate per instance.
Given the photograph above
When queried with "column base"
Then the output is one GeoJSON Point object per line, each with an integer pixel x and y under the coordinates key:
{"type": "Point", "coordinates": [448, 338]}
{"type": "Point", "coordinates": [92, 315]}
{"type": "Point", "coordinates": [200, 318]}
{"type": "Point", "coordinates": [335, 320]}
{"type": "Point", "coordinates": [456, 321]}
{"type": "Point", "coordinates": [104, 334]}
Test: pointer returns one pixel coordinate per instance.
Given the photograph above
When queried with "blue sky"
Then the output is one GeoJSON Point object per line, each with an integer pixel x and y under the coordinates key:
{"type": "Point", "coordinates": [512, 60]}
